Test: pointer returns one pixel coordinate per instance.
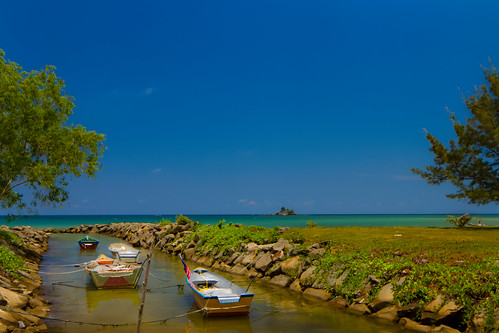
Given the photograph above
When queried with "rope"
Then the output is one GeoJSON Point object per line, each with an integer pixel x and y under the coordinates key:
{"type": "Point", "coordinates": [47, 273]}
{"type": "Point", "coordinates": [157, 277]}
{"type": "Point", "coordinates": [68, 265]}
{"type": "Point", "coordinates": [162, 321]}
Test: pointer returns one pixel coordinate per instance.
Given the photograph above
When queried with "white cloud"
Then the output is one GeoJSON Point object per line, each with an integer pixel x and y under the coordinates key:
{"type": "Point", "coordinates": [156, 171]}
{"type": "Point", "coordinates": [242, 200]}
{"type": "Point", "coordinates": [251, 203]}
{"type": "Point", "coordinates": [149, 91]}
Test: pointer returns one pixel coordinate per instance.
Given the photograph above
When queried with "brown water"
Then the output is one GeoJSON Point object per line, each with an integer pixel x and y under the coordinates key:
{"type": "Point", "coordinates": [274, 309]}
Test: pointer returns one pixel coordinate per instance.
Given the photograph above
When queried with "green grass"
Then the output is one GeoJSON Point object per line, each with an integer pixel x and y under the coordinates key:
{"type": "Point", "coordinates": [421, 263]}
{"type": "Point", "coordinates": [10, 261]}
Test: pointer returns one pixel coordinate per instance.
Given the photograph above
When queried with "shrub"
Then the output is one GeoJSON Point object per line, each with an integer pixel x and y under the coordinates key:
{"type": "Point", "coordinates": [460, 221]}
{"type": "Point", "coordinates": [182, 220]}
{"type": "Point", "coordinates": [11, 262]}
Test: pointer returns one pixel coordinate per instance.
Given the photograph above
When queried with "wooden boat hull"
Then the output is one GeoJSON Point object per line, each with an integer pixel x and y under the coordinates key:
{"type": "Point", "coordinates": [88, 244]}
{"type": "Point", "coordinates": [115, 279]}
{"type": "Point", "coordinates": [124, 252]}
{"type": "Point", "coordinates": [212, 306]}
{"type": "Point", "coordinates": [217, 296]}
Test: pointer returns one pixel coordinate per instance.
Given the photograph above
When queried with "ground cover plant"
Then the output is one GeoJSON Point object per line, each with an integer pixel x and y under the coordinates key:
{"type": "Point", "coordinates": [9, 261]}
{"type": "Point", "coordinates": [461, 264]}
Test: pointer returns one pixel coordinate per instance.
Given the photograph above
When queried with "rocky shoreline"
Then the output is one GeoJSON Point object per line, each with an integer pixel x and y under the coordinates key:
{"type": "Point", "coordinates": [284, 264]}
{"type": "Point", "coordinates": [22, 295]}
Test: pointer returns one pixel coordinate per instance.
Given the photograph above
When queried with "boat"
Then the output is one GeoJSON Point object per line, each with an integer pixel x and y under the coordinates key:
{"type": "Point", "coordinates": [87, 243]}
{"type": "Point", "coordinates": [124, 252]}
{"type": "Point", "coordinates": [108, 273]}
{"type": "Point", "coordinates": [216, 295]}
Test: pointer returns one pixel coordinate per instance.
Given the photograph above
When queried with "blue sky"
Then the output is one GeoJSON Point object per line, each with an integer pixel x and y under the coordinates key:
{"type": "Point", "coordinates": [214, 107]}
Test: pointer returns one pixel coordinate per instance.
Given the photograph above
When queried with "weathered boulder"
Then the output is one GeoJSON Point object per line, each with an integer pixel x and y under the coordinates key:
{"type": "Point", "coordinates": [13, 300]}
{"type": "Point", "coordinates": [307, 276]}
{"type": "Point", "coordinates": [239, 269]}
{"type": "Point", "coordinates": [411, 325]}
{"type": "Point", "coordinates": [408, 311]}
{"type": "Point", "coordinates": [359, 308]}
{"type": "Point", "coordinates": [339, 281]}
{"type": "Point", "coordinates": [292, 266]}
{"type": "Point", "coordinates": [444, 329]}
{"type": "Point", "coordinates": [295, 286]}
{"type": "Point", "coordinates": [450, 314]}
{"type": "Point", "coordinates": [338, 302]}
{"type": "Point", "coordinates": [383, 299]}
{"type": "Point", "coordinates": [263, 261]}
{"type": "Point", "coordinates": [281, 280]}
{"type": "Point", "coordinates": [389, 313]}
{"type": "Point", "coordinates": [318, 293]}
{"type": "Point", "coordinates": [188, 253]}
{"type": "Point", "coordinates": [280, 245]}
{"type": "Point", "coordinates": [247, 258]}
{"type": "Point", "coordinates": [429, 313]}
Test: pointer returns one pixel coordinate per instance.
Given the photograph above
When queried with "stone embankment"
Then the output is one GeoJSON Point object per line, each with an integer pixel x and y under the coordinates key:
{"type": "Point", "coordinates": [20, 295]}
{"type": "Point", "coordinates": [287, 265]}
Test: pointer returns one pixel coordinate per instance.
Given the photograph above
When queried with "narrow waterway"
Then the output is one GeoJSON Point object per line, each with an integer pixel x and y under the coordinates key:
{"type": "Point", "coordinates": [167, 306]}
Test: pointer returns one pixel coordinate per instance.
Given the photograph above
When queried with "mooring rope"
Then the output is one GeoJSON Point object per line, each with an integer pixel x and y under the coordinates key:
{"type": "Point", "coordinates": [68, 265]}
{"type": "Point", "coordinates": [162, 321]}
{"type": "Point", "coordinates": [56, 273]}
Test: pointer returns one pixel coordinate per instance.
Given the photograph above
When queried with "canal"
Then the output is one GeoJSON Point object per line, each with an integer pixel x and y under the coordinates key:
{"type": "Point", "coordinates": [169, 307]}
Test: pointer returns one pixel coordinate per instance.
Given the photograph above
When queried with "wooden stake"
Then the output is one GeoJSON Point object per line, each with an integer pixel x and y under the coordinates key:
{"type": "Point", "coordinates": [144, 286]}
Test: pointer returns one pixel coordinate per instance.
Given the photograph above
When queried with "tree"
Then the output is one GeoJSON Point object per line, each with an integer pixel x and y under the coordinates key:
{"type": "Point", "coordinates": [39, 148]}
{"type": "Point", "coordinates": [471, 163]}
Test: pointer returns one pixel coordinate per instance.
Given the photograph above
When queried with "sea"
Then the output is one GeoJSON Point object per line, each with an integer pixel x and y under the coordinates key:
{"type": "Point", "coordinates": [269, 221]}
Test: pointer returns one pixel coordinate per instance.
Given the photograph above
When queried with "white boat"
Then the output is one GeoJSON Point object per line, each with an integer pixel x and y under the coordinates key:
{"type": "Point", "coordinates": [124, 252]}
{"type": "Point", "coordinates": [215, 295]}
{"type": "Point", "coordinates": [108, 273]}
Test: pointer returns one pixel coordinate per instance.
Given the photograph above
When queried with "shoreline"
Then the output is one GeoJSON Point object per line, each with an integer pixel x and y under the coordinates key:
{"type": "Point", "coordinates": [295, 265]}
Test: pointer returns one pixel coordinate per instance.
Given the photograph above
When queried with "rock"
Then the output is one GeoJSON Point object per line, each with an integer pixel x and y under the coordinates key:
{"type": "Point", "coordinates": [357, 308]}
{"type": "Point", "coordinates": [206, 261]}
{"type": "Point", "coordinates": [339, 281]}
{"type": "Point", "coordinates": [7, 318]}
{"type": "Point", "coordinates": [263, 261]}
{"type": "Point", "coordinates": [238, 269]}
{"type": "Point", "coordinates": [295, 286]}
{"type": "Point", "coordinates": [409, 311]}
{"type": "Point", "coordinates": [450, 314]}
{"type": "Point", "coordinates": [292, 266]}
{"type": "Point", "coordinates": [251, 247]}
{"type": "Point", "coordinates": [444, 329]}
{"type": "Point", "coordinates": [429, 313]}
{"type": "Point", "coordinates": [411, 325]}
{"type": "Point", "coordinates": [247, 258]}
{"type": "Point", "coordinates": [307, 276]}
{"type": "Point", "coordinates": [233, 257]}
{"type": "Point", "coordinates": [14, 300]}
{"type": "Point", "coordinates": [281, 280]}
{"type": "Point", "coordinates": [338, 302]}
{"type": "Point", "coordinates": [318, 293]}
{"type": "Point", "coordinates": [383, 299]}
{"type": "Point", "coordinates": [389, 313]}
{"type": "Point", "coordinates": [188, 253]}
{"type": "Point", "coordinates": [279, 245]}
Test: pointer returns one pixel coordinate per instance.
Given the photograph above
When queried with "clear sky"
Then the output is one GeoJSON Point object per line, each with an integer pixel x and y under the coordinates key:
{"type": "Point", "coordinates": [220, 107]}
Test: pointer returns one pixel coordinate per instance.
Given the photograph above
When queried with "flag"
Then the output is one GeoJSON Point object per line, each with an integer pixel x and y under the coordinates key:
{"type": "Point", "coordinates": [186, 269]}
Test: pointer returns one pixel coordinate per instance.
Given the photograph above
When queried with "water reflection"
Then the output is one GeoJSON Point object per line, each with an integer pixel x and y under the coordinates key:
{"type": "Point", "coordinates": [169, 308]}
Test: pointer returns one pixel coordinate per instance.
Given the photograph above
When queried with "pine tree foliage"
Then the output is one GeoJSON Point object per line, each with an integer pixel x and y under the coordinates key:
{"type": "Point", "coordinates": [471, 163]}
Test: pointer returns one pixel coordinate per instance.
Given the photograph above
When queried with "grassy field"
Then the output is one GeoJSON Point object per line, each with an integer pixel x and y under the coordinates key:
{"type": "Point", "coordinates": [445, 246]}
{"type": "Point", "coordinates": [421, 263]}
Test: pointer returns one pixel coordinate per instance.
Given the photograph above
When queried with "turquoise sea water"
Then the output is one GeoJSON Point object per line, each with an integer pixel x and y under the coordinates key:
{"type": "Point", "coordinates": [64, 221]}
